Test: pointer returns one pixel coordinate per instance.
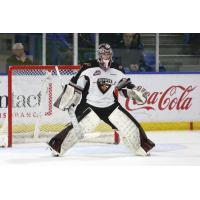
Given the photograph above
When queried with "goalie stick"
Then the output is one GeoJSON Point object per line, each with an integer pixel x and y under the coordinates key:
{"type": "Point", "coordinates": [78, 131]}
{"type": "Point", "coordinates": [71, 112]}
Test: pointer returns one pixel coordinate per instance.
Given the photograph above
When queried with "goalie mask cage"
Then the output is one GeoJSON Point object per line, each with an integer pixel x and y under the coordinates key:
{"type": "Point", "coordinates": [31, 116]}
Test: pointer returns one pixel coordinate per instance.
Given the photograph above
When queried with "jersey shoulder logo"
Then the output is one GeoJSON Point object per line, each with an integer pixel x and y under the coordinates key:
{"type": "Point", "coordinates": [97, 72]}
{"type": "Point", "coordinates": [104, 84]}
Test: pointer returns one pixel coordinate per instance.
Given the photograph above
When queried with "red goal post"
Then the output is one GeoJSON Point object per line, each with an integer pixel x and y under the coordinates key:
{"type": "Point", "coordinates": [23, 71]}
{"type": "Point", "coordinates": [32, 90]}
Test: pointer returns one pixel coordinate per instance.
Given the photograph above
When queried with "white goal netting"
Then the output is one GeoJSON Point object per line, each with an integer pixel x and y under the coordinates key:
{"type": "Point", "coordinates": [31, 116]}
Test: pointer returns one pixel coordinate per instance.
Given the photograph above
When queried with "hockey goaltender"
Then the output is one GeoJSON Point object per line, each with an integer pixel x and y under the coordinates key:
{"type": "Point", "coordinates": [93, 91]}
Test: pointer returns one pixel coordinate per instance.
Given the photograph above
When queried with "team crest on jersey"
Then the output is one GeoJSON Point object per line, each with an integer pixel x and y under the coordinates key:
{"type": "Point", "coordinates": [104, 84]}
{"type": "Point", "coordinates": [97, 72]}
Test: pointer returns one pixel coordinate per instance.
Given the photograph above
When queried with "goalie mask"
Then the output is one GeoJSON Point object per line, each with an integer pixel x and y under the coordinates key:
{"type": "Point", "coordinates": [105, 55]}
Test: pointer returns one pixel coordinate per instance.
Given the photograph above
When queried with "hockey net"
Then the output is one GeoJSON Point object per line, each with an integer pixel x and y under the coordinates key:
{"type": "Point", "coordinates": [31, 116]}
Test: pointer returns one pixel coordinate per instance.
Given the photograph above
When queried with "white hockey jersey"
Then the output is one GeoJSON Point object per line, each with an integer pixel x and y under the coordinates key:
{"type": "Point", "coordinates": [101, 85]}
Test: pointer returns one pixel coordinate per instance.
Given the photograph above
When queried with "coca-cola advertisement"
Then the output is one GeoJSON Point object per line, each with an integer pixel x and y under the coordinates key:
{"type": "Point", "coordinates": [171, 97]}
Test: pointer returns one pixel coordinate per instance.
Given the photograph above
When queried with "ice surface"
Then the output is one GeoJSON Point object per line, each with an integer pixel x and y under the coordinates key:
{"type": "Point", "coordinates": [172, 148]}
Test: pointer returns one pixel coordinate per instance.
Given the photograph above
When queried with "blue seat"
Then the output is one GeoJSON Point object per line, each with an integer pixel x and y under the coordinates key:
{"type": "Point", "coordinates": [149, 59]}
{"type": "Point", "coordinates": [150, 62]}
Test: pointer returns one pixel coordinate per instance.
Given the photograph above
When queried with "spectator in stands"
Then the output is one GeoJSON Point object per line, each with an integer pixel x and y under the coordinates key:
{"type": "Point", "coordinates": [112, 38]}
{"type": "Point", "coordinates": [130, 53]}
{"type": "Point", "coordinates": [131, 41]}
{"type": "Point", "coordinates": [19, 56]}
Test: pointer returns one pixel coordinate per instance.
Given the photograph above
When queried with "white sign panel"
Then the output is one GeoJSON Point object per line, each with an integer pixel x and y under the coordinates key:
{"type": "Point", "coordinates": [172, 97]}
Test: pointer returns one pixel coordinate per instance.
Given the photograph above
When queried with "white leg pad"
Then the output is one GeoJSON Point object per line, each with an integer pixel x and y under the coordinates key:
{"type": "Point", "coordinates": [128, 130]}
{"type": "Point", "coordinates": [87, 124]}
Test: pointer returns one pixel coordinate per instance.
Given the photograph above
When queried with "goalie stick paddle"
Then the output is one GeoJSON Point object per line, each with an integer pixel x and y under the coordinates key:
{"type": "Point", "coordinates": [71, 111]}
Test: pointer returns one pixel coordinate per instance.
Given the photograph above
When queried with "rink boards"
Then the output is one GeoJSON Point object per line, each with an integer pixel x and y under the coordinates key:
{"type": "Point", "coordinates": [172, 104]}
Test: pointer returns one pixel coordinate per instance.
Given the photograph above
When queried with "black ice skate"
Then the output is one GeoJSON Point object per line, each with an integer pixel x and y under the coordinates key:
{"type": "Point", "coordinates": [147, 145]}
{"type": "Point", "coordinates": [55, 146]}
{"type": "Point", "coordinates": [56, 142]}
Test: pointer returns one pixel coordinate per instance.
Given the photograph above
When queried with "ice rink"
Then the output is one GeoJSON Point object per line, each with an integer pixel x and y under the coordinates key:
{"type": "Point", "coordinates": [104, 171]}
{"type": "Point", "coordinates": [172, 148]}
